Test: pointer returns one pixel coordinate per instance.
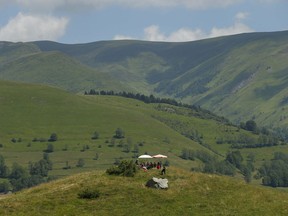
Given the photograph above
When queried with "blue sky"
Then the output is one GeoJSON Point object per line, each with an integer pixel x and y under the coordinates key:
{"type": "Point", "coordinates": [81, 21]}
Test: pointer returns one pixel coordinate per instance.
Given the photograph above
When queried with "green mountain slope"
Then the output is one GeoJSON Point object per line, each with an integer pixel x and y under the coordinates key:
{"type": "Point", "coordinates": [240, 76]}
{"type": "Point", "coordinates": [31, 113]}
{"type": "Point", "coordinates": [26, 63]}
{"type": "Point", "coordinates": [188, 194]}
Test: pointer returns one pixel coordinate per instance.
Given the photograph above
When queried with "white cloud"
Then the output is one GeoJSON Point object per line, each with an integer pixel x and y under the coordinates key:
{"type": "Point", "coordinates": [123, 37]}
{"type": "Point", "coordinates": [28, 27]}
{"type": "Point", "coordinates": [241, 16]}
{"type": "Point", "coordinates": [153, 33]}
{"type": "Point", "coordinates": [237, 28]}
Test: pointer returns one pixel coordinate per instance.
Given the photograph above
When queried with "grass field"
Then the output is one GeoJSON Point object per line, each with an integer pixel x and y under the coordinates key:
{"type": "Point", "coordinates": [34, 111]}
{"type": "Point", "coordinates": [188, 194]}
{"type": "Point", "coordinates": [31, 111]}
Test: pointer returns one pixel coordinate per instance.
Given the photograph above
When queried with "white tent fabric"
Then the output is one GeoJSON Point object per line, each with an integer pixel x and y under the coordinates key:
{"type": "Point", "coordinates": [145, 156]}
{"type": "Point", "coordinates": [159, 156]}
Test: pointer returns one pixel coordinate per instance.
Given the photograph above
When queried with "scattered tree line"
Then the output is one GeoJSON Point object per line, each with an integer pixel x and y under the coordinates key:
{"type": "Point", "coordinates": [274, 173]}
{"type": "Point", "coordinates": [19, 177]}
{"type": "Point", "coordinates": [274, 136]}
{"type": "Point", "coordinates": [152, 99]}
{"type": "Point", "coordinates": [243, 141]}
{"type": "Point", "coordinates": [53, 138]}
{"type": "Point", "coordinates": [232, 162]}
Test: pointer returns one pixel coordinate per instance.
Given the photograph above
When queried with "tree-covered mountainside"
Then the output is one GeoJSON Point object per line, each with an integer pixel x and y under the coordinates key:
{"type": "Point", "coordinates": [241, 77]}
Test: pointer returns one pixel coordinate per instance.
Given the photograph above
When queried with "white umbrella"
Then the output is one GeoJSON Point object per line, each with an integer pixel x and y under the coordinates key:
{"type": "Point", "coordinates": [145, 156]}
{"type": "Point", "coordinates": [159, 156]}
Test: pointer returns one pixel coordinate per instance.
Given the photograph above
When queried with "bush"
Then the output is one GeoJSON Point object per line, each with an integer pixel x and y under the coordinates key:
{"type": "Point", "coordinates": [50, 148]}
{"type": "Point", "coordinates": [89, 193]}
{"type": "Point", "coordinates": [119, 133]}
{"type": "Point", "coordinates": [80, 163]}
{"type": "Point", "coordinates": [95, 135]}
{"type": "Point", "coordinates": [125, 168]}
{"type": "Point", "coordinates": [5, 187]}
{"type": "Point", "coordinates": [53, 137]}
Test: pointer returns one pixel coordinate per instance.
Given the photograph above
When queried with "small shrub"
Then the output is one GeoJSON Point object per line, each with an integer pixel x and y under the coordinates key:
{"type": "Point", "coordinates": [53, 137]}
{"type": "Point", "coordinates": [95, 136]}
{"type": "Point", "coordinates": [65, 148]}
{"type": "Point", "coordinates": [67, 166]}
{"type": "Point", "coordinates": [1, 145]}
{"type": "Point", "coordinates": [125, 168]}
{"type": "Point", "coordinates": [119, 133]}
{"type": "Point", "coordinates": [80, 163]}
{"type": "Point", "coordinates": [96, 156]}
{"type": "Point", "coordinates": [50, 148]}
{"type": "Point", "coordinates": [89, 193]}
{"type": "Point", "coordinates": [5, 187]}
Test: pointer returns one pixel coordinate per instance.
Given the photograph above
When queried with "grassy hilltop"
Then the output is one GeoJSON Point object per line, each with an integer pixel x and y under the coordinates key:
{"type": "Point", "coordinates": [188, 194]}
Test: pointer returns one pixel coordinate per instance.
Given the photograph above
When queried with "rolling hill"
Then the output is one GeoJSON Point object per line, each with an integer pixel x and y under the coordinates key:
{"type": "Point", "coordinates": [31, 113]}
{"type": "Point", "coordinates": [188, 194]}
{"type": "Point", "coordinates": [241, 77]}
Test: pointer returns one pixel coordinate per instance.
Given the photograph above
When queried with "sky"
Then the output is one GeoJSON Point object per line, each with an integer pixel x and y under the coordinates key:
{"type": "Point", "coordinates": [83, 21]}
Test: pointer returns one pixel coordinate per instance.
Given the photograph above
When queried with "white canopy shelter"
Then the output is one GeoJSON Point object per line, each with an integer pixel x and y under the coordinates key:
{"type": "Point", "coordinates": [159, 156]}
{"type": "Point", "coordinates": [145, 156]}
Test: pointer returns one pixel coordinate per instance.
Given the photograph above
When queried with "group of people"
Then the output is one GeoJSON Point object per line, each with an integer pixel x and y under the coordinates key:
{"type": "Point", "coordinates": [150, 165]}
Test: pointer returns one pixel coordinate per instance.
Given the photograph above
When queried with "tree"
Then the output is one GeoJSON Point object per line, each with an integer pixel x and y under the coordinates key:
{"type": "Point", "coordinates": [5, 186]}
{"type": "Point", "coordinates": [251, 157]}
{"type": "Point", "coordinates": [4, 171]}
{"type": "Point", "coordinates": [17, 172]}
{"type": "Point", "coordinates": [126, 148]}
{"type": "Point", "coordinates": [53, 137]}
{"type": "Point", "coordinates": [136, 148]}
{"type": "Point", "coordinates": [50, 148]}
{"type": "Point", "coordinates": [275, 172]}
{"type": "Point", "coordinates": [125, 168]}
{"type": "Point", "coordinates": [81, 162]}
{"type": "Point", "coordinates": [251, 126]}
{"type": "Point", "coordinates": [67, 166]}
{"type": "Point", "coordinates": [96, 156]}
{"type": "Point", "coordinates": [112, 142]}
{"type": "Point", "coordinates": [39, 168]}
{"type": "Point", "coordinates": [119, 133]}
{"type": "Point", "coordinates": [247, 174]}
{"type": "Point", "coordinates": [235, 158]}
{"type": "Point", "coordinates": [95, 135]}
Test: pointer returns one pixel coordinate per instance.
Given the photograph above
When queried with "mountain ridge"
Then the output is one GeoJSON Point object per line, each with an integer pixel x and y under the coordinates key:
{"type": "Point", "coordinates": [211, 72]}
